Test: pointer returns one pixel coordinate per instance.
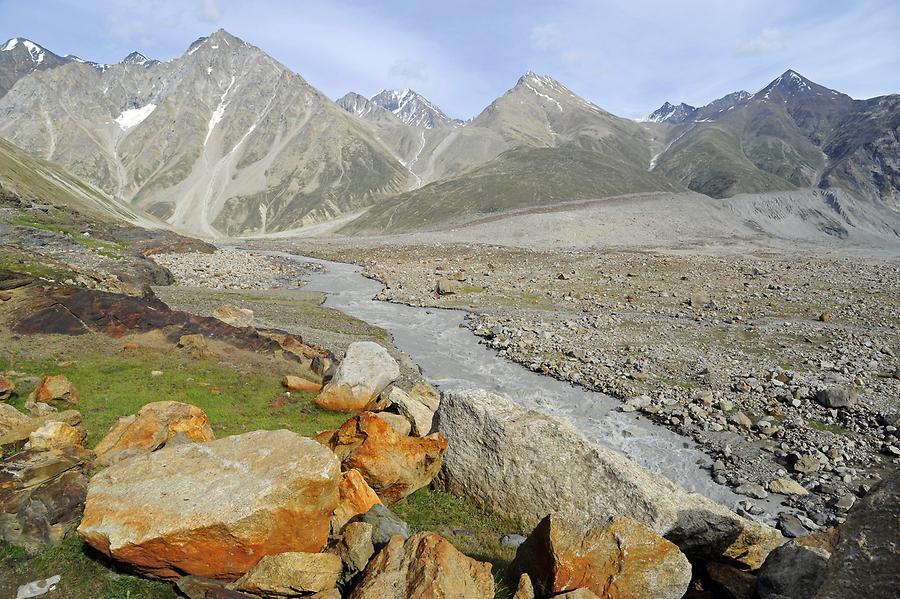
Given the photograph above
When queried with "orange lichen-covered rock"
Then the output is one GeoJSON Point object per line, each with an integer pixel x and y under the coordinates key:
{"type": "Point", "coordinates": [213, 509]}
{"type": "Point", "coordinates": [298, 383]}
{"type": "Point", "coordinates": [394, 465]}
{"type": "Point", "coordinates": [53, 435]}
{"type": "Point", "coordinates": [56, 387]}
{"type": "Point", "coordinates": [356, 497]}
{"type": "Point", "coordinates": [425, 566]}
{"type": "Point", "coordinates": [622, 559]}
{"type": "Point", "coordinates": [151, 428]}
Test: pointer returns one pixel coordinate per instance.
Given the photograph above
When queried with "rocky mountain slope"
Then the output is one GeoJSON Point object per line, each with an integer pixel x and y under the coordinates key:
{"type": "Point", "coordinates": [20, 57]}
{"type": "Point", "coordinates": [539, 143]}
{"type": "Point", "coordinates": [221, 140]}
{"type": "Point", "coordinates": [791, 134]}
{"type": "Point", "coordinates": [35, 180]}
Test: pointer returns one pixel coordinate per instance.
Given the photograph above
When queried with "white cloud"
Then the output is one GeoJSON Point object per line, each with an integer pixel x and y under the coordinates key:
{"type": "Point", "coordinates": [546, 36]}
{"type": "Point", "coordinates": [209, 11]}
{"type": "Point", "coordinates": [769, 41]}
{"type": "Point", "coordinates": [408, 70]}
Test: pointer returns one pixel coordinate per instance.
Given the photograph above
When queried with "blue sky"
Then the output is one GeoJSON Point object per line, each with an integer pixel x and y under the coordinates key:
{"type": "Point", "coordinates": [627, 56]}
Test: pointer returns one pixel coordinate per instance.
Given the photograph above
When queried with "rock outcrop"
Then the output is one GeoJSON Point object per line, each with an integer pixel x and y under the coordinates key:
{"type": "Point", "coordinates": [424, 566]}
{"type": "Point", "coordinates": [151, 428]}
{"type": "Point", "coordinates": [392, 464]}
{"type": "Point", "coordinates": [866, 558]}
{"type": "Point", "coordinates": [214, 509]}
{"type": "Point", "coordinates": [527, 465]}
{"type": "Point", "coordinates": [622, 558]}
{"type": "Point", "coordinates": [367, 368]}
{"type": "Point", "coordinates": [41, 495]}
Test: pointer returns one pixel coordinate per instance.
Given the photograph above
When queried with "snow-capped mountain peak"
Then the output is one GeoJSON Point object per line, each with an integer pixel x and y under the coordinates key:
{"type": "Point", "coordinates": [413, 109]}
{"type": "Point", "coordinates": [138, 59]}
{"type": "Point", "coordinates": [671, 113]}
{"type": "Point", "coordinates": [36, 52]}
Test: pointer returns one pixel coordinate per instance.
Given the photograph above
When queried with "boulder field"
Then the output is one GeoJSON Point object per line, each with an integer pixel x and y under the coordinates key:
{"type": "Point", "coordinates": [272, 514]}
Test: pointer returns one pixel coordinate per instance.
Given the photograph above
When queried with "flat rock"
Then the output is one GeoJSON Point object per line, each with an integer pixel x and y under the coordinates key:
{"type": "Point", "coordinates": [622, 558]}
{"type": "Point", "coordinates": [234, 315]}
{"type": "Point", "coordinates": [424, 566]}
{"type": "Point", "coordinates": [298, 383]}
{"type": "Point", "coordinates": [527, 465]}
{"type": "Point", "coordinates": [151, 428]}
{"type": "Point", "coordinates": [11, 418]}
{"type": "Point", "coordinates": [291, 574]}
{"type": "Point", "coordinates": [394, 465]}
{"type": "Point", "coordinates": [367, 368]}
{"type": "Point", "coordinates": [787, 486]}
{"type": "Point", "coordinates": [213, 509]}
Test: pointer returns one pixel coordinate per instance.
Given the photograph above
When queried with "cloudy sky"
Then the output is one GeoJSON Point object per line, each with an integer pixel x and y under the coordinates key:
{"type": "Point", "coordinates": [627, 56]}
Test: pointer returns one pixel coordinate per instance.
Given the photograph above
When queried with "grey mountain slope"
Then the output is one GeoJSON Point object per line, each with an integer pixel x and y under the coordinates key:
{"type": "Point", "coordinates": [20, 57]}
{"type": "Point", "coordinates": [670, 113]}
{"type": "Point", "coordinates": [221, 140]}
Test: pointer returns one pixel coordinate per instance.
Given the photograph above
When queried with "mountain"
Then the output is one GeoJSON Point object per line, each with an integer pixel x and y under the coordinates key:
{"type": "Point", "coordinates": [25, 176]}
{"type": "Point", "coordinates": [20, 57]}
{"type": "Point", "coordinates": [413, 109]}
{"type": "Point", "coordinates": [138, 59]}
{"type": "Point", "coordinates": [669, 113]}
{"type": "Point", "coordinates": [791, 134]}
{"type": "Point", "coordinates": [223, 140]}
{"type": "Point", "coordinates": [539, 143]}
{"type": "Point", "coordinates": [367, 110]}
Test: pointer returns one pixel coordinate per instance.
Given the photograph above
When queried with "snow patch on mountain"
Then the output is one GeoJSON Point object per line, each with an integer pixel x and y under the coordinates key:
{"type": "Point", "coordinates": [413, 109]}
{"type": "Point", "coordinates": [134, 116]}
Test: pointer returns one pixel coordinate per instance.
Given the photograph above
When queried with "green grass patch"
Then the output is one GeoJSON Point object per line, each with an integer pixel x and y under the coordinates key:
{"type": "Point", "coordinates": [112, 387]}
{"type": "Point", "coordinates": [83, 573]}
{"type": "Point", "coordinates": [473, 531]}
{"type": "Point", "coordinates": [17, 261]}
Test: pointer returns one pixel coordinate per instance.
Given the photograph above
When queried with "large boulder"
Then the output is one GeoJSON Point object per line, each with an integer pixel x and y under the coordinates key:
{"type": "Point", "coordinates": [526, 465]}
{"type": "Point", "coordinates": [622, 558]}
{"type": "Point", "coordinates": [214, 509]}
{"type": "Point", "coordinates": [41, 495]}
{"type": "Point", "coordinates": [425, 566]}
{"type": "Point", "coordinates": [356, 498]}
{"type": "Point", "coordinates": [291, 574]}
{"type": "Point", "coordinates": [367, 368]}
{"type": "Point", "coordinates": [394, 465]}
{"type": "Point", "coordinates": [793, 570]}
{"type": "Point", "coordinates": [866, 558]}
{"type": "Point", "coordinates": [151, 428]}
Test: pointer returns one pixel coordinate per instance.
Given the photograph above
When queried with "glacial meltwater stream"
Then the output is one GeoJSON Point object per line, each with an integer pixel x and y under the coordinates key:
{"type": "Point", "coordinates": [451, 356]}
